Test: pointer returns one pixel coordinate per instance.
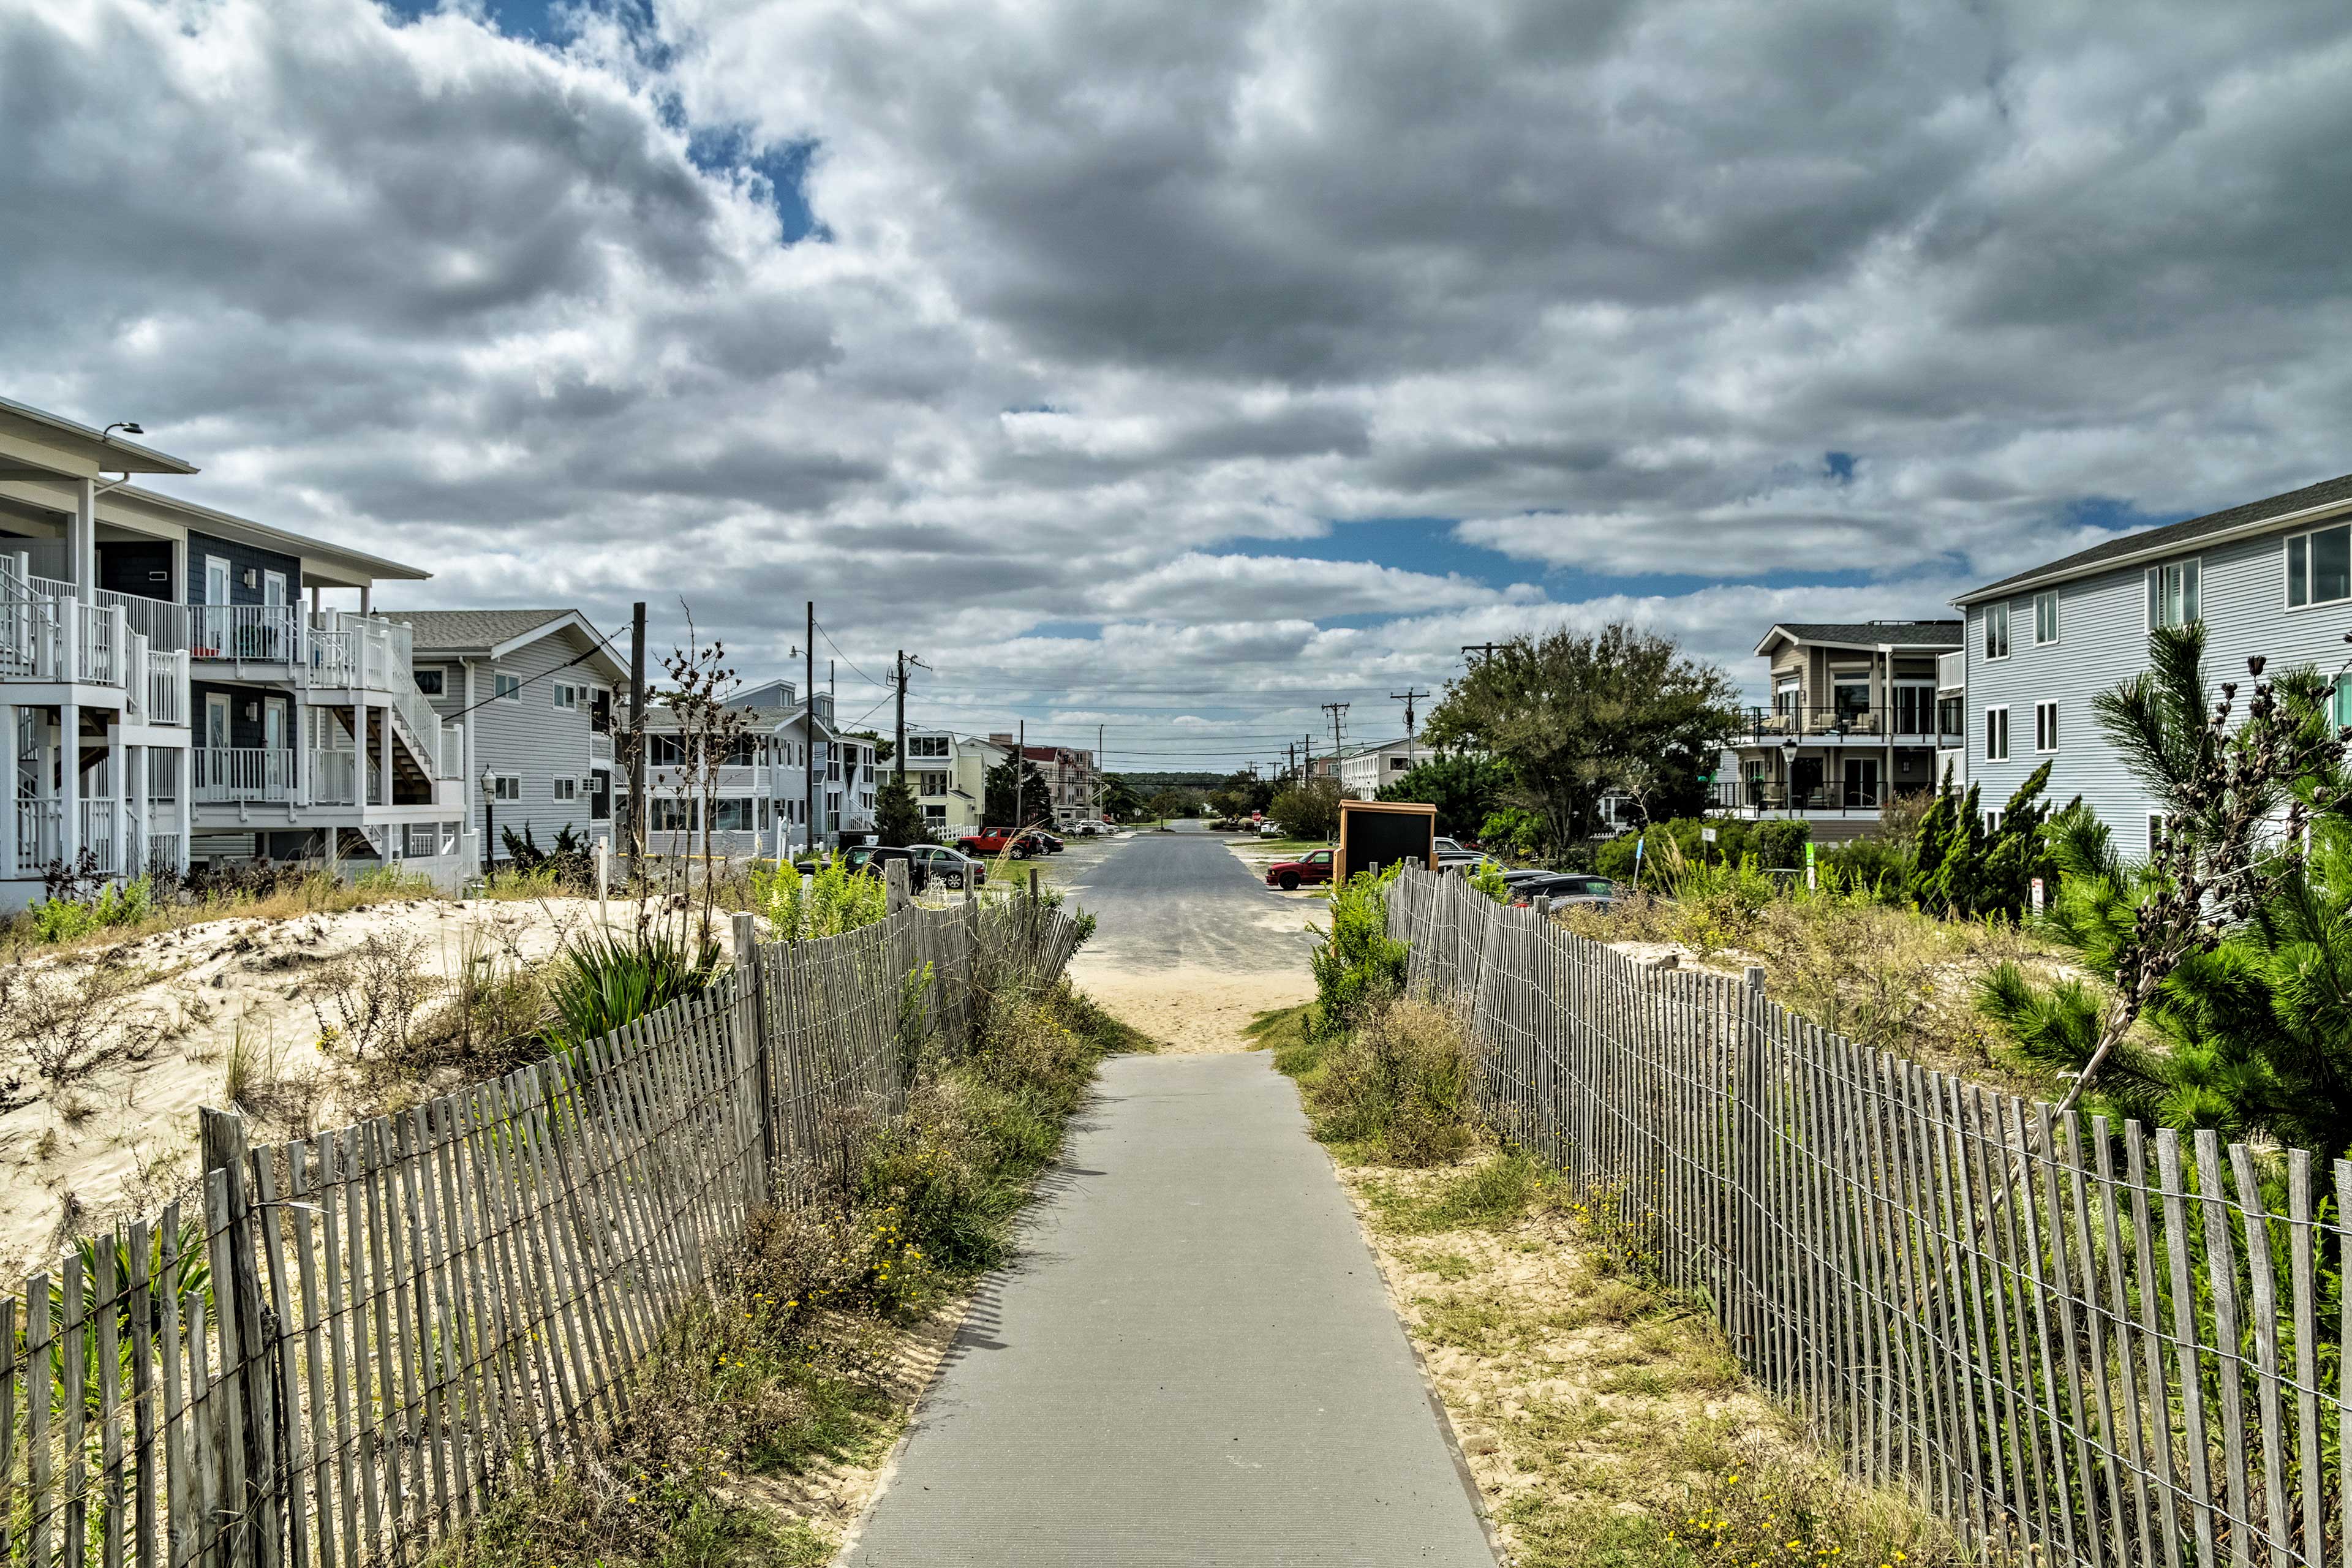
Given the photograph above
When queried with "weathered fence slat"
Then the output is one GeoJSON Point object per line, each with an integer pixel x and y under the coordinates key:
{"type": "Point", "coordinates": [2051, 1337]}
{"type": "Point", "coordinates": [368, 1329]}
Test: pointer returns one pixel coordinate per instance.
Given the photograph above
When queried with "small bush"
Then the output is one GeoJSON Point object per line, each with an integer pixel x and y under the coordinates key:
{"type": "Point", "coordinates": [835, 900]}
{"type": "Point", "coordinates": [1401, 1084]}
{"type": "Point", "coordinates": [1358, 966]}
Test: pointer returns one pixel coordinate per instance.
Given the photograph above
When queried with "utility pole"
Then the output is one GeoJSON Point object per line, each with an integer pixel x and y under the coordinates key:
{"type": "Point", "coordinates": [1483, 649]}
{"type": "Point", "coordinates": [1020, 773]}
{"type": "Point", "coordinates": [904, 664]}
{"type": "Point", "coordinates": [808, 732]}
{"type": "Point", "coordinates": [1407, 697]}
{"type": "Point", "coordinates": [637, 803]}
{"type": "Point", "coordinates": [1337, 711]}
{"type": "Point", "coordinates": [1098, 773]}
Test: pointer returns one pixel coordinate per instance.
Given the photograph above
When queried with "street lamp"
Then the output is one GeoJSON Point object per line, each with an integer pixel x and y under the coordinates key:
{"type": "Point", "coordinates": [1788, 777]}
{"type": "Point", "coordinates": [123, 424]}
{"type": "Point", "coordinates": [489, 818]}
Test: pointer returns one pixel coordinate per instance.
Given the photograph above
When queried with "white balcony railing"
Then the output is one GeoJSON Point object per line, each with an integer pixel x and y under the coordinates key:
{"type": "Point", "coordinates": [163, 624]}
{"type": "Point", "coordinates": [40, 833]}
{"type": "Point", "coordinates": [230, 774]}
{"type": "Point", "coordinates": [247, 634]}
{"type": "Point", "coordinates": [97, 840]}
{"type": "Point", "coordinates": [334, 778]}
{"type": "Point", "coordinates": [167, 687]}
{"type": "Point", "coordinates": [1951, 671]}
{"type": "Point", "coordinates": [600, 746]}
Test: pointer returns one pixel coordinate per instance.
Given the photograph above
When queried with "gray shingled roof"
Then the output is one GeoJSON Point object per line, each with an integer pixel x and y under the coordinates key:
{"type": "Point", "coordinates": [1871, 633]}
{"type": "Point", "coordinates": [456, 631]}
{"type": "Point", "coordinates": [2177, 533]}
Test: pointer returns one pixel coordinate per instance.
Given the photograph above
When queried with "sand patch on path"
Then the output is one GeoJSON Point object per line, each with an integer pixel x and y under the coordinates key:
{"type": "Point", "coordinates": [1191, 1010]}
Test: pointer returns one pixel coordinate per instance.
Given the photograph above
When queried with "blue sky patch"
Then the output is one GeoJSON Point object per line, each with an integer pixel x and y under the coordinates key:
{"type": "Point", "coordinates": [782, 169]}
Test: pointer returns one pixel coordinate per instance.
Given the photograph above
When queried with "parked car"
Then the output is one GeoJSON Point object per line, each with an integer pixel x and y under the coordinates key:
{"type": "Point", "coordinates": [951, 867]}
{"type": "Point", "coordinates": [1563, 888]}
{"type": "Point", "coordinates": [1052, 841]}
{"type": "Point", "coordinates": [1310, 867]}
{"type": "Point", "coordinates": [868, 860]}
{"type": "Point", "coordinates": [1269, 829]}
{"type": "Point", "coordinates": [1451, 853]}
{"type": "Point", "coordinates": [993, 841]}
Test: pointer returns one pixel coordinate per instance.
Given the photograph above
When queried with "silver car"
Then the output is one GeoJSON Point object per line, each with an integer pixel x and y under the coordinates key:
{"type": "Point", "coordinates": [950, 867]}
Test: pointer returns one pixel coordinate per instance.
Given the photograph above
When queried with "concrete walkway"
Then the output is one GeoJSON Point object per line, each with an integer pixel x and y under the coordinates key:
{"type": "Point", "coordinates": [1194, 1363]}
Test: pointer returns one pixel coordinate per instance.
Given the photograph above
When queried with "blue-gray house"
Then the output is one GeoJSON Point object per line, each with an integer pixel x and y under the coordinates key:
{"type": "Point", "coordinates": [2271, 577]}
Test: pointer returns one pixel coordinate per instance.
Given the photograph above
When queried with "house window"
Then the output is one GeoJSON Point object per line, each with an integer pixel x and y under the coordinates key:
{"type": "Point", "coordinates": [1850, 693]}
{"type": "Point", "coordinates": [932, 783]}
{"type": "Point", "coordinates": [566, 696]}
{"type": "Point", "coordinates": [732, 815]}
{"type": "Point", "coordinates": [2343, 700]}
{"type": "Point", "coordinates": [2045, 618]}
{"type": "Point", "coordinates": [2045, 726]}
{"type": "Point", "coordinates": [670, 814]}
{"type": "Point", "coordinates": [2319, 566]}
{"type": "Point", "coordinates": [2172, 594]}
{"type": "Point", "coordinates": [927, 745]}
{"type": "Point", "coordinates": [506, 787]}
{"type": "Point", "coordinates": [429, 681]}
{"type": "Point", "coordinates": [1995, 734]}
{"type": "Point", "coordinates": [1996, 628]}
{"type": "Point", "coordinates": [1398, 764]}
{"type": "Point", "coordinates": [1786, 692]}
{"type": "Point", "coordinates": [663, 751]}
{"type": "Point", "coordinates": [506, 688]}
{"type": "Point", "coordinates": [935, 813]}
{"type": "Point", "coordinates": [1947, 715]}
{"type": "Point", "coordinates": [567, 788]}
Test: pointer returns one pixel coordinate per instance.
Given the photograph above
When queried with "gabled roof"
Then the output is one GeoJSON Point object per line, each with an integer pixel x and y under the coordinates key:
{"type": "Point", "coordinates": [2325, 497]}
{"type": "Point", "coordinates": [1868, 633]}
{"type": "Point", "coordinates": [495, 633]}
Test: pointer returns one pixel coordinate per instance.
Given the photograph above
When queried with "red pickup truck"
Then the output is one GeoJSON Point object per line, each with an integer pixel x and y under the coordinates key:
{"type": "Point", "coordinates": [989, 841]}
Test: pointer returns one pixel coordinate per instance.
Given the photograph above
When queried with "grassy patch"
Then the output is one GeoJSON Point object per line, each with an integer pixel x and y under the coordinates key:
{"type": "Point", "coordinates": [1606, 1421]}
{"type": "Point", "coordinates": [1396, 1088]}
{"type": "Point", "coordinates": [798, 1364]}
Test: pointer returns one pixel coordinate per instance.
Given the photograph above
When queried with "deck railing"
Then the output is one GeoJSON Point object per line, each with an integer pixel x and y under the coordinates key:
{"type": "Point", "coordinates": [334, 777]}
{"type": "Point", "coordinates": [164, 625]}
{"type": "Point", "coordinates": [167, 687]}
{"type": "Point", "coordinates": [230, 773]}
{"type": "Point", "coordinates": [251, 634]}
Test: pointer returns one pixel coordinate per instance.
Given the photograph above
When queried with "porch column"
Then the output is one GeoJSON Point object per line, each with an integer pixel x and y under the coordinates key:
{"type": "Point", "coordinates": [303, 753]}
{"type": "Point", "coordinates": [69, 783]}
{"type": "Point", "coordinates": [184, 787]}
{"type": "Point", "coordinates": [367, 598]}
{"type": "Point", "coordinates": [8, 800]}
{"type": "Point", "coordinates": [361, 794]}
{"type": "Point", "coordinates": [81, 542]}
{"type": "Point", "coordinates": [118, 773]}
{"type": "Point", "coordinates": [140, 780]}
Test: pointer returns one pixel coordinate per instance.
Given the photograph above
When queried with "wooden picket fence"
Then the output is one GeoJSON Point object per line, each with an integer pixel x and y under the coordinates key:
{"type": "Point", "coordinates": [2078, 1342]}
{"type": "Point", "coordinates": [363, 1336]}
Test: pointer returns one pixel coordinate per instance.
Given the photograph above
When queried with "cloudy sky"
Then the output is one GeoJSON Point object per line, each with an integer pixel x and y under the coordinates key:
{"type": "Point", "coordinates": [1182, 367]}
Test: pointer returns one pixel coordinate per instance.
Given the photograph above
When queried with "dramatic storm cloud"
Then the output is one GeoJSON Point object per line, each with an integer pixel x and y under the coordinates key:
{"type": "Point", "coordinates": [1178, 368]}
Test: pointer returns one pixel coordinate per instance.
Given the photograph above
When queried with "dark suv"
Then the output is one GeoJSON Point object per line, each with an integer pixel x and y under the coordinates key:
{"type": "Point", "coordinates": [867, 860]}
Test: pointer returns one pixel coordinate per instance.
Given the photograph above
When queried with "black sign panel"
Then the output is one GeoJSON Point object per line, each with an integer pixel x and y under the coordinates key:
{"type": "Point", "coordinates": [1376, 834]}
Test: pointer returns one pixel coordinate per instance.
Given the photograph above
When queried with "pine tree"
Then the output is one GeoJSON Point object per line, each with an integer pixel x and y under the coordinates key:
{"type": "Point", "coordinates": [897, 817]}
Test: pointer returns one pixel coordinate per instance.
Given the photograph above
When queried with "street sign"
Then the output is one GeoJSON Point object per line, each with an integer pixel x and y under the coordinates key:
{"type": "Point", "coordinates": [1813, 879]}
{"type": "Point", "coordinates": [2037, 895]}
{"type": "Point", "coordinates": [1708, 833]}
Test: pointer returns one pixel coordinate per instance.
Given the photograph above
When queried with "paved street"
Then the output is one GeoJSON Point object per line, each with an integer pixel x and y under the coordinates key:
{"type": "Point", "coordinates": [1185, 900]}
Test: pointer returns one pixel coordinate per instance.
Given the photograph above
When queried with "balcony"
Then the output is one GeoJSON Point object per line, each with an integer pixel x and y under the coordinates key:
{"type": "Point", "coordinates": [1951, 671]}
{"type": "Point", "coordinates": [228, 775]}
{"type": "Point", "coordinates": [40, 839]}
{"type": "Point", "coordinates": [1910, 724]}
{"type": "Point", "coordinates": [1769, 799]}
{"type": "Point", "coordinates": [245, 633]}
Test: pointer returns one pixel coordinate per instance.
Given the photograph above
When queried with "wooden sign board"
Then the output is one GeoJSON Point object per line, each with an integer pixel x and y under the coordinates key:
{"type": "Point", "coordinates": [1374, 834]}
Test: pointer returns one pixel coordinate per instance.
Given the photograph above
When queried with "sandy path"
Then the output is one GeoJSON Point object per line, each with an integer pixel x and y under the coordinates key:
{"type": "Point", "coordinates": [1188, 1009]}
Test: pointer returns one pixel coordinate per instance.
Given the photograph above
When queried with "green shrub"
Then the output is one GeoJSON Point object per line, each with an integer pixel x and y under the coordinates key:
{"type": "Point", "coordinates": [604, 979]}
{"type": "Point", "coordinates": [67, 918]}
{"type": "Point", "coordinates": [1489, 880]}
{"type": "Point", "coordinates": [837, 899]}
{"type": "Point", "coordinates": [1359, 964]}
{"type": "Point", "coordinates": [1775, 844]}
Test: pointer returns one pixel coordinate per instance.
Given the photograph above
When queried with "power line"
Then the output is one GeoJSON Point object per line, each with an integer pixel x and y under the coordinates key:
{"type": "Point", "coordinates": [848, 660]}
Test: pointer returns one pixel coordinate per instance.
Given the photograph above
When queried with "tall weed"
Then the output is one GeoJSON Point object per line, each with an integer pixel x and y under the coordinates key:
{"type": "Point", "coordinates": [1401, 1084]}
{"type": "Point", "coordinates": [604, 979]}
